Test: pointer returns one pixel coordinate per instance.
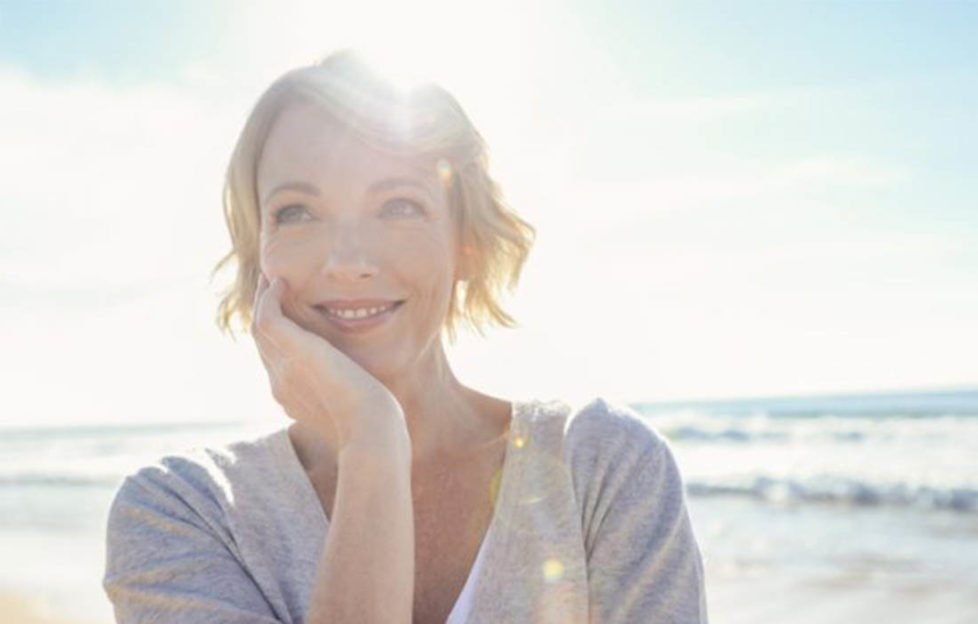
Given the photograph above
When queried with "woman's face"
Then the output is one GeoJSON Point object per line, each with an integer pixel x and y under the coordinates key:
{"type": "Point", "coordinates": [343, 222]}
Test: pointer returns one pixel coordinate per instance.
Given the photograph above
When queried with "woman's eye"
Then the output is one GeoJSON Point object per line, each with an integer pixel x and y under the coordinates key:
{"type": "Point", "coordinates": [402, 206]}
{"type": "Point", "coordinates": [292, 212]}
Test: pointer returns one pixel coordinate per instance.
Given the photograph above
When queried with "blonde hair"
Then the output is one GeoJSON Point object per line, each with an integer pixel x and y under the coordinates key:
{"type": "Point", "coordinates": [423, 121]}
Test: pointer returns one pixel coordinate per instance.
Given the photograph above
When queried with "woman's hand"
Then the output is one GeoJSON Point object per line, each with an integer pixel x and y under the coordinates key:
{"type": "Point", "coordinates": [317, 383]}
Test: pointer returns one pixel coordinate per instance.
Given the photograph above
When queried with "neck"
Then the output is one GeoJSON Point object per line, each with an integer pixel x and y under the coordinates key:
{"type": "Point", "coordinates": [444, 417]}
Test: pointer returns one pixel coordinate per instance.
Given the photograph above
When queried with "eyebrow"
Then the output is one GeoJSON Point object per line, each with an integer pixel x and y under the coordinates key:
{"type": "Point", "coordinates": [381, 185]}
{"type": "Point", "coordinates": [302, 187]}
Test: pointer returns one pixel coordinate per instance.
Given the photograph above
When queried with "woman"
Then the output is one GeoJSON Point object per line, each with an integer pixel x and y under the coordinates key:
{"type": "Point", "coordinates": [363, 223]}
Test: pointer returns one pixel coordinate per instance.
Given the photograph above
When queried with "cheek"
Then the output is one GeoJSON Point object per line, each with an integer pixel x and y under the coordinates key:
{"type": "Point", "coordinates": [281, 257]}
{"type": "Point", "coordinates": [430, 252]}
{"type": "Point", "coordinates": [288, 259]}
{"type": "Point", "coordinates": [433, 274]}
{"type": "Point", "coordinates": [429, 266]}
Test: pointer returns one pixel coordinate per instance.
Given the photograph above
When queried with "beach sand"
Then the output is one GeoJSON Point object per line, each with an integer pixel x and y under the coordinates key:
{"type": "Point", "coordinates": [27, 609]}
{"type": "Point", "coordinates": [839, 601]}
{"type": "Point", "coordinates": [751, 600]}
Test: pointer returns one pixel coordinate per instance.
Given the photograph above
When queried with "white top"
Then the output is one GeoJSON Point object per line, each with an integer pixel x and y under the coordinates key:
{"type": "Point", "coordinates": [464, 603]}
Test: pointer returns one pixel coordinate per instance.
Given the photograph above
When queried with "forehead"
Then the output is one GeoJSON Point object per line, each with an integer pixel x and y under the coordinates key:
{"type": "Point", "coordinates": [307, 143]}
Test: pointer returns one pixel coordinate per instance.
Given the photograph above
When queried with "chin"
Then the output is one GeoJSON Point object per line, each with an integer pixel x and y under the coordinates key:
{"type": "Point", "coordinates": [378, 363]}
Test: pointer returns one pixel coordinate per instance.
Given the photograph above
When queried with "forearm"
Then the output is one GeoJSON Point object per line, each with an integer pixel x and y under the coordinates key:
{"type": "Point", "coordinates": [366, 572]}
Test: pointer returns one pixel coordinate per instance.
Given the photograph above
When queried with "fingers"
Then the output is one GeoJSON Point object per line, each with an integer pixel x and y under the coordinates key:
{"type": "Point", "coordinates": [256, 302]}
{"type": "Point", "coordinates": [293, 356]}
{"type": "Point", "coordinates": [273, 358]}
{"type": "Point", "coordinates": [281, 341]}
{"type": "Point", "coordinates": [268, 319]}
{"type": "Point", "coordinates": [262, 286]}
{"type": "Point", "coordinates": [263, 310]}
{"type": "Point", "coordinates": [256, 322]}
{"type": "Point", "coordinates": [267, 304]}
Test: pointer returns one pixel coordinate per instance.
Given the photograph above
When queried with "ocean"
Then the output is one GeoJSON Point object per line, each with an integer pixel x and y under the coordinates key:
{"type": "Point", "coordinates": [875, 493]}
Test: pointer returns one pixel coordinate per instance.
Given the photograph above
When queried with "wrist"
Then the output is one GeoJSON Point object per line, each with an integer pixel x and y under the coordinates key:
{"type": "Point", "coordinates": [376, 452]}
{"type": "Point", "coordinates": [380, 425]}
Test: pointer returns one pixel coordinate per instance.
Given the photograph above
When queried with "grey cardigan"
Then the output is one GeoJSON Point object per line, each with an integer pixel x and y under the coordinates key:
{"type": "Point", "coordinates": [590, 525]}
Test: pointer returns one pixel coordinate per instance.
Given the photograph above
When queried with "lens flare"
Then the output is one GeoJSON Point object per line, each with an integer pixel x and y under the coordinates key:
{"type": "Point", "coordinates": [553, 570]}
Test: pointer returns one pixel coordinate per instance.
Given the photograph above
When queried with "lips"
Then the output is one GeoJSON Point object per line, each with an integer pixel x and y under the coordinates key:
{"type": "Point", "coordinates": [356, 316]}
{"type": "Point", "coordinates": [357, 311]}
{"type": "Point", "coordinates": [352, 304]}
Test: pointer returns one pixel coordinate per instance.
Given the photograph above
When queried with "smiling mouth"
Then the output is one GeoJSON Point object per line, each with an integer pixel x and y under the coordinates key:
{"type": "Point", "coordinates": [357, 313]}
{"type": "Point", "coordinates": [359, 319]}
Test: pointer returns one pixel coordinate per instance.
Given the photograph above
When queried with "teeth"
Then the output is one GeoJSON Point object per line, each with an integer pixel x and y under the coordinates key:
{"type": "Point", "coordinates": [359, 312]}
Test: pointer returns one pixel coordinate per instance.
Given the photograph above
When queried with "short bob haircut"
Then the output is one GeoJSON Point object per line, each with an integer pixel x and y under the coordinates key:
{"type": "Point", "coordinates": [423, 123]}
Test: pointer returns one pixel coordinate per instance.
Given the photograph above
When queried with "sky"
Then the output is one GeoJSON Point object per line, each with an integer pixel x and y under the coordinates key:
{"type": "Point", "coordinates": [732, 199]}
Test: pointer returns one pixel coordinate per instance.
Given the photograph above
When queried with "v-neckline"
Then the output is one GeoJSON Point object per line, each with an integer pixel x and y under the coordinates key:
{"type": "Point", "coordinates": [308, 492]}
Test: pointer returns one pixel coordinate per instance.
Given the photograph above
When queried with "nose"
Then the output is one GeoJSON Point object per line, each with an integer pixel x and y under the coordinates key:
{"type": "Point", "coordinates": [346, 258]}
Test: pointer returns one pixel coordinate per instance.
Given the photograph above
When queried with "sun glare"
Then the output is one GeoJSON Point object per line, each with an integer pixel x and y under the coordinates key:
{"type": "Point", "coordinates": [482, 55]}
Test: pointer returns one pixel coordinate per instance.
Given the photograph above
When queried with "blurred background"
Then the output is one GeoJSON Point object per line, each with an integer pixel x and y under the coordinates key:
{"type": "Point", "coordinates": [757, 225]}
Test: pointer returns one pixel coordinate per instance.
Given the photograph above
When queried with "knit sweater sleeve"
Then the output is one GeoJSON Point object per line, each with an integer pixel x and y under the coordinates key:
{"type": "Point", "coordinates": [643, 562]}
{"type": "Point", "coordinates": [168, 556]}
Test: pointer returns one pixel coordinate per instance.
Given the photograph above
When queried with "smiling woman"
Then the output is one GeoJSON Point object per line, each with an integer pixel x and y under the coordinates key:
{"type": "Point", "coordinates": [364, 224]}
{"type": "Point", "coordinates": [422, 132]}
{"type": "Point", "coordinates": [374, 232]}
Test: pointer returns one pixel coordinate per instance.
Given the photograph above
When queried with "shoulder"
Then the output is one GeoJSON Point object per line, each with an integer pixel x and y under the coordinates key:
{"type": "Point", "coordinates": [178, 546]}
{"type": "Point", "coordinates": [607, 421]}
{"type": "Point", "coordinates": [616, 458]}
{"type": "Point", "coordinates": [597, 422]}
{"type": "Point", "coordinates": [195, 483]}
{"type": "Point", "coordinates": [607, 432]}
{"type": "Point", "coordinates": [642, 558]}
{"type": "Point", "coordinates": [600, 441]}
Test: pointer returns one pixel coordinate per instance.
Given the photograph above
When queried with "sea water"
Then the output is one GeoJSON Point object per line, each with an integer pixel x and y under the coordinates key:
{"type": "Point", "coordinates": [56, 486]}
{"type": "Point", "coordinates": [874, 493]}
{"type": "Point", "coordinates": [876, 490]}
